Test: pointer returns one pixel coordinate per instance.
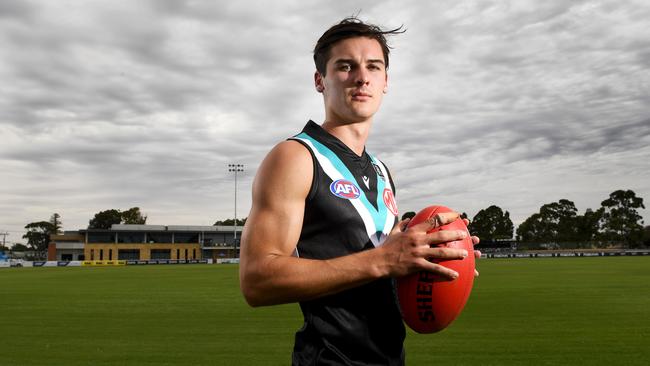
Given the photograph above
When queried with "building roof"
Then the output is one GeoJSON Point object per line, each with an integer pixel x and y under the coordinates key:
{"type": "Point", "coordinates": [174, 228]}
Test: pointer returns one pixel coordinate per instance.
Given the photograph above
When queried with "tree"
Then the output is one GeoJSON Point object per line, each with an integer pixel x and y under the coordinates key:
{"type": "Point", "coordinates": [560, 216]}
{"type": "Point", "coordinates": [230, 222]}
{"type": "Point", "coordinates": [588, 226]}
{"type": "Point", "coordinates": [408, 215]}
{"type": "Point", "coordinates": [38, 235]}
{"type": "Point", "coordinates": [646, 236]}
{"type": "Point", "coordinates": [55, 220]}
{"type": "Point", "coordinates": [532, 229]}
{"type": "Point", "coordinates": [492, 223]}
{"type": "Point", "coordinates": [133, 216]}
{"type": "Point", "coordinates": [19, 248]}
{"type": "Point", "coordinates": [104, 219]}
{"type": "Point", "coordinates": [620, 221]}
{"type": "Point", "coordinates": [554, 223]}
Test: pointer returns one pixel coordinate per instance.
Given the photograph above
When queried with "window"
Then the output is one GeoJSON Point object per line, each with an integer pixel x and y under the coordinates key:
{"type": "Point", "coordinates": [128, 254]}
{"type": "Point", "coordinates": [161, 253]}
{"type": "Point", "coordinates": [110, 254]}
{"type": "Point", "coordinates": [135, 237]}
{"type": "Point", "coordinates": [186, 237]}
{"type": "Point", "coordinates": [101, 237]}
{"type": "Point", "coordinates": [159, 237]}
{"type": "Point", "coordinates": [185, 254]}
{"type": "Point", "coordinates": [194, 253]}
{"type": "Point", "coordinates": [101, 254]}
{"type": "Point", "coordinates": [178, 254]}
{"type": "Point", "coordinates": [92, 254]}
{"type": "Point", "coordinates": [213, 239]}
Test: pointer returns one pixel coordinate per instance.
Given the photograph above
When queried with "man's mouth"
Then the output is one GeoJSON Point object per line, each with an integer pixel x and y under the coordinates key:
{"type": "Point", "coordinates": [361, 96]}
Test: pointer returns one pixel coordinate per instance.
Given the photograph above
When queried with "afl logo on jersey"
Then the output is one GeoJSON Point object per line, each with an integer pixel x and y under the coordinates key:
{"type": "Point", "coordinates": [389, 201]}
{"type": "Point", "coordinates": [345, 189]}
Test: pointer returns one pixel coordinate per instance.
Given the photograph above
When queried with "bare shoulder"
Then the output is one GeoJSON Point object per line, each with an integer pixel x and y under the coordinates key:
{"type": "Point", "coordinates": [286, 172]}
{"type": "Point", "coordinates": [281, 185]}
{"type": "Point", "coordinates": [290, 151]}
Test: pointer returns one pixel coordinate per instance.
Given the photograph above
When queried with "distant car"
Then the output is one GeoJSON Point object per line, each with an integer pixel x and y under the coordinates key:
{"type": "Point", "coordinates": [16, 262]}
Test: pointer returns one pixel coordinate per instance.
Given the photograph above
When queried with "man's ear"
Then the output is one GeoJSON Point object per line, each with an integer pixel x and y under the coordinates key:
{"type": "Point", "coordinates": [318, 82]}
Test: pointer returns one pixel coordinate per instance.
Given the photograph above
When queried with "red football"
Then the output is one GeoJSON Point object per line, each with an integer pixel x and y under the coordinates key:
{"type": "Point", "coordinates": [429, 305]}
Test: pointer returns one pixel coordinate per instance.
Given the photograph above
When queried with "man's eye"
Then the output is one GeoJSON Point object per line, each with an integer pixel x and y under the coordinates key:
{"type": "Point", "coordinates": [345, 67]}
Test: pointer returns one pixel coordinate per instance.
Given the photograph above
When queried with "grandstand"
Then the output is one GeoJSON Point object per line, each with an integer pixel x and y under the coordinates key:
{"type": "Point", "coordinates": [145, 242]}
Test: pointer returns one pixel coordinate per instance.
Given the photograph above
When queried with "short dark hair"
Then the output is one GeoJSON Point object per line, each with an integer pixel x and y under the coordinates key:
{"type": "Point", "coordinates": [350, 27]}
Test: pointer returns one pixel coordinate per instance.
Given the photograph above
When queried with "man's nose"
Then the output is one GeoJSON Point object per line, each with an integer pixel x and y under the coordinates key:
{"type": "Point", "coordinates": [361, 77]}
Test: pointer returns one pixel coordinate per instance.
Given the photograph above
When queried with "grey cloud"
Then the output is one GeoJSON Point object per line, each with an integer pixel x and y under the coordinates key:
{"type": "Point", "coordinates": [146, 104]}
{"type": "Point", "coordinates": [15, 10]}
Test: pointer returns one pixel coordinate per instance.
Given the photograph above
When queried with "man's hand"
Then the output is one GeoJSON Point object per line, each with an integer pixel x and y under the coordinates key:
{"type": "Point", "coordinates": [408, 251]}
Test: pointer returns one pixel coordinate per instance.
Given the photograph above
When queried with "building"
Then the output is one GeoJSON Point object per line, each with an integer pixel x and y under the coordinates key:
{"type": "Point", "coordinates": [68, 246]}
{"type": "Point", "coordinates": [145, 242]}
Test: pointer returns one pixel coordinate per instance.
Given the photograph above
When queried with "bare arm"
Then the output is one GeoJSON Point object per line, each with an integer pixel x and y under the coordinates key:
{"type": "Point", "coordinates": [269, 274]}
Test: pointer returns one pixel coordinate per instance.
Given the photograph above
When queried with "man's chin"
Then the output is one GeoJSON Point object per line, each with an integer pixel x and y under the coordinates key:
{"type": "Point", "coordinates": [362, 114]}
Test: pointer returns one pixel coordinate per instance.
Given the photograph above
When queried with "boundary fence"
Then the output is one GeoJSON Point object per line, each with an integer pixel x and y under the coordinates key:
{"type": "Point", "coordinates": [567, 253]}
{"type": "Point", "coordinates": [529, 254]}
{"type": "Point", "coordinates": [21, 263]}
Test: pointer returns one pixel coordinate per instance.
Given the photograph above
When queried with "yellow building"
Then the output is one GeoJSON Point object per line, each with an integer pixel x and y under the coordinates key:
{"type": "Point", "coordinates": [149, 242]}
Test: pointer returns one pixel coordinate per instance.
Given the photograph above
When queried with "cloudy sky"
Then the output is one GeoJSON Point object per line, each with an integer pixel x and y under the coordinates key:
{"type": "Point", "coordinates": [107, 104]}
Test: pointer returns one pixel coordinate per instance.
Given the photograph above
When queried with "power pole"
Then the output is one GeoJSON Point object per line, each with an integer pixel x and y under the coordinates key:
{"type": "Point", "coordinates": [235, 168]}
{"type": "Point", "coordinates": [4, 236]}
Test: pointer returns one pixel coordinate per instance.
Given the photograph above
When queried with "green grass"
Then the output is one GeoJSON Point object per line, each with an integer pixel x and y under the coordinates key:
{"type": "Point", "coordinates": [546, 311]}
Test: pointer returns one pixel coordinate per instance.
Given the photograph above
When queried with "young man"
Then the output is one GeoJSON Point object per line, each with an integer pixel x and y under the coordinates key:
{"type": "Point", "coordinates": [323, 227]}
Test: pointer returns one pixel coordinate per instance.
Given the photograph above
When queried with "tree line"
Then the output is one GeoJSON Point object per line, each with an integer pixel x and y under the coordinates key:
{"type": "Point", "coordinates": [616, 223]}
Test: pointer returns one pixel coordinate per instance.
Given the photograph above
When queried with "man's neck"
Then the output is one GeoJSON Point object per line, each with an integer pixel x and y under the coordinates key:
{"type": "Point", "coordinates": [353, 135]}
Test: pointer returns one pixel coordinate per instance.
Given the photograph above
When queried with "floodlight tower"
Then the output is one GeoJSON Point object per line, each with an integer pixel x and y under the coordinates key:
{"type": "Point", "coordinates": [235, 168]}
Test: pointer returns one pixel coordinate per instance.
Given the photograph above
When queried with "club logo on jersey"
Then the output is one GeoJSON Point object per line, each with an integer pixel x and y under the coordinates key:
{"type": "Point", "coordinates": [379, 172]}
{"type": "Point", "coordinates": [366, 181]}
{"type": "Point", "coordinates": [389, 201]}
{"type": "Point", "coordinates": [345, 189]}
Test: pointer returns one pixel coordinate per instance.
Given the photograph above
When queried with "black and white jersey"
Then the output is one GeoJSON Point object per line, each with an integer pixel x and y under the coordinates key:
{"type": "Point", "coordinates": [350, 207]}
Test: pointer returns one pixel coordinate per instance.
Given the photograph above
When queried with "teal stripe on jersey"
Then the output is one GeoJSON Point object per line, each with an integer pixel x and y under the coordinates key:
{"type": "Point", "coordinates": [378, 216]}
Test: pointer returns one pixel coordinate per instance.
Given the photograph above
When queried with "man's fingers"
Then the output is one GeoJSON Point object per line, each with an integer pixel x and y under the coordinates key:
{"type": "Point", "coordinates": [436, 220]}
{"type": "Point", "coordinates": [445, 253]}
{"type": "Point", "coordinates": [441, 273]}
{"type": "Point", "coordinates": [445, 236]}
{"type": "Point", "coordinates": [401, 226]}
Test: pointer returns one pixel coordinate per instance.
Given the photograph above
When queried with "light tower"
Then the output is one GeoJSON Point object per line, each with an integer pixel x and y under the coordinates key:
{"type": "Point", "coordinates": [235, 168]}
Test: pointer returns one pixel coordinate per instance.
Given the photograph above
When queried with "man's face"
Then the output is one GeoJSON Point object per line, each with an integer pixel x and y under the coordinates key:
{"type": "Point", "coordinates": [356, 80]}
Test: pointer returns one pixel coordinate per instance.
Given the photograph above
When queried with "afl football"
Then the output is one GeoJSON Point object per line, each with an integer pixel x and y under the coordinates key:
{"type": "Point", "coordinates": [428, 304]}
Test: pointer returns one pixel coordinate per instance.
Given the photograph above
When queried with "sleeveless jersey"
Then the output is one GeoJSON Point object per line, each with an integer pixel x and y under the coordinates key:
{"type": "Point", "coordinates": [350, 208]}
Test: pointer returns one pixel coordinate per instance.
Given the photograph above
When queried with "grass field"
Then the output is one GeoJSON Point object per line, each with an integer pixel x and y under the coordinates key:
{"type": "Point", "coordinates": [546, 311]}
